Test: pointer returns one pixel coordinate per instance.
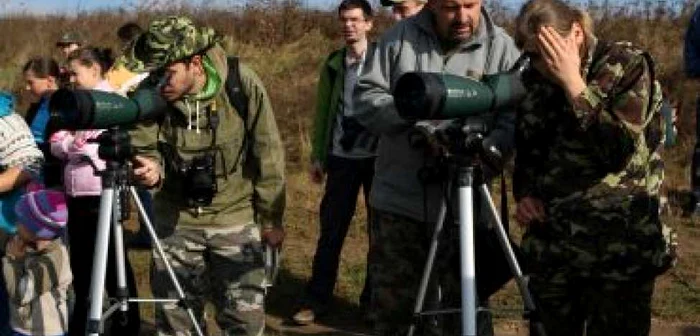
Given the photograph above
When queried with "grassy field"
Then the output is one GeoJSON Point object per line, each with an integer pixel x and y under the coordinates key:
{"type": "Point", "coordinates": [676, 306]}
{"type": "Point", "coordinates": [286, 44]}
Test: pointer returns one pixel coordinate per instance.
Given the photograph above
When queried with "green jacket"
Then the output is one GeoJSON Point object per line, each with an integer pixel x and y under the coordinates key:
{"type": "Point", "coordinates": [330, 88]}
{"type": "Point", "coordinates": [254, 191]}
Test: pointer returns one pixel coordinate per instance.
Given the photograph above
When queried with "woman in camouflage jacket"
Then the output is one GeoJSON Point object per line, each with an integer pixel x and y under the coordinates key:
{"type": "Point", "coordinates": [587, 174]}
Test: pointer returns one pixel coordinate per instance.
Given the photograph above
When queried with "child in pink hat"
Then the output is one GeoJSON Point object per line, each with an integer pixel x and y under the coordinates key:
{"type": "Point", "coordinates": [36, 267]}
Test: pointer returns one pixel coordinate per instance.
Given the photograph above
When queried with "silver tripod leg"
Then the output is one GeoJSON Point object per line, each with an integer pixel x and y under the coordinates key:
{"type": "Point", "coordinates": [154, 238]}
{"type": "Point", "coordinates": [99, 263]}
{"type": "Point", "coordinates": [428, 269]}
{"type": "Point", "coordinates": [118, 228]}
{"type": "Point", "coordinates": [512, 261]}
{"type": "Point", "coordinates": [466, 256]}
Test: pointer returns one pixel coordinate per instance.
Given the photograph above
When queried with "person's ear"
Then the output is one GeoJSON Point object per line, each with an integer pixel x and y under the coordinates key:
{"type": "Point", "coordinates": [51, 81]}
{"type": "Point", "coordinates": [577, 33]}
{"type": "Point", "coordinates": [196, 64]}
{"type": "Point", "coordinates": [96, 70]}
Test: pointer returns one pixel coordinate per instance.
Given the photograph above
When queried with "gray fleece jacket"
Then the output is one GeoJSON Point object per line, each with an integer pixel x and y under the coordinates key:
{"type": "Point", "coordinates": [413, 45]}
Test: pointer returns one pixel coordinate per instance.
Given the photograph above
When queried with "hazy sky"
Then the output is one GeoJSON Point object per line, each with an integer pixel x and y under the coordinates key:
{"type": "Point", "coordinates": [71, 6]}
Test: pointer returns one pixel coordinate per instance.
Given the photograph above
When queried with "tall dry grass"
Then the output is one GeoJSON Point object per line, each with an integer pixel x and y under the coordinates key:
{"type": "Point", "coordinates": [286, 44]}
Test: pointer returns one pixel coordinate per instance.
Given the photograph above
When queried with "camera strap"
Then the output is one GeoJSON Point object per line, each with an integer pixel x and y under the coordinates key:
{"type": "Point", "coordinates": [214, 120]}
{"type": "Point", "coordinates": [213, 117]}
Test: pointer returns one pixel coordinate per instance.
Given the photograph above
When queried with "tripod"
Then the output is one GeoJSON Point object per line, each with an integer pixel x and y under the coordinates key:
{"type": "Point", "coordinates": [469, 178]}
{"type": "Point", "coordinates": [116, 150]}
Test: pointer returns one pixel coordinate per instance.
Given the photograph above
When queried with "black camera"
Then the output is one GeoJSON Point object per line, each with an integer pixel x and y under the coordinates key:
{"type": "Point", "coordinates": [200, 180]}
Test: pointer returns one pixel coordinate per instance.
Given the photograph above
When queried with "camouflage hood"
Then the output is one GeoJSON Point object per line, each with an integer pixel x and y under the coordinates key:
{"type": "Point", "coordinates": [216, 69]}
{"type": "Point", "coordinates": [167, 40]}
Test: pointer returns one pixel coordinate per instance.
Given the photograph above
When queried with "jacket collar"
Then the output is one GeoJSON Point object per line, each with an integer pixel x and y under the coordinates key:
{"type": "Point", "coordinates": [336, 60]}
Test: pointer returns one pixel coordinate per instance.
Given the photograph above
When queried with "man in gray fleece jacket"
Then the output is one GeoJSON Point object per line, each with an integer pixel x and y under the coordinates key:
{"type": "Point", "coordinates": [448, 36]}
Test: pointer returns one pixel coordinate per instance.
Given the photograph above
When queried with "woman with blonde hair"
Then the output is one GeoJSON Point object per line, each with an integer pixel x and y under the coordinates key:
{"type": "Point", "coordinates": [587, 175]}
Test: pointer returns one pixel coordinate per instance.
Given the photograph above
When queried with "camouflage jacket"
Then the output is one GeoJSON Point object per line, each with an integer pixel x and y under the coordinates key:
{"type": "Point", "coordinates": [595, 163]}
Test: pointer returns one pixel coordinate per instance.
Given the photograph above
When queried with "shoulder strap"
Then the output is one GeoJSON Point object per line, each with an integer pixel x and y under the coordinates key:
{"type": "Point", "coordinates": [652, 77]}
{"type": "Point", "coordinates": [655, 135]}
{"type": "Point", "coordinates": [601, 48]}
{"type": "Point", "coordinates": [234, 89]}
{"type": "Point", "coordinates": [239, 99]}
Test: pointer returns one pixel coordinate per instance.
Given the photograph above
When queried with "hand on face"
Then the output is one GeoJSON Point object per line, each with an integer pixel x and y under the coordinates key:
{"type": "Point", "coordinates": [562, 59]}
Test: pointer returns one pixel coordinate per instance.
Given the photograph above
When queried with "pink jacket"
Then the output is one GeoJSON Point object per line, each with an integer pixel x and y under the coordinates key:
{"type": "Point", "coordinates": [72, 147]}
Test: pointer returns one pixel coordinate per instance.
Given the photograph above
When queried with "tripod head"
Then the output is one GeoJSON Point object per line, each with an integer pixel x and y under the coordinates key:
{"type": "Point", "coordinates": [115, 145]}
{"type": "Point", "coordinates": [458, 140]}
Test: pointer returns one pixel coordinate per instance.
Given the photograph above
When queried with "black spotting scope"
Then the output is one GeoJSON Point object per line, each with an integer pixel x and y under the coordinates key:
{"type": "Point", "coordinates": [430, 96]}
{"type": "Point", "coordinates": [90, 109]}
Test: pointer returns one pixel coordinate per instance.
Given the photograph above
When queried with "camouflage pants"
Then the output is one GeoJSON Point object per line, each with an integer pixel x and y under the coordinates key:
{"type": "Point", "coordinates": [399, 250]}
{"type": "Point", "coordinates": [570, 306]}
{"type": "Point", "coordinates": [224, 266]}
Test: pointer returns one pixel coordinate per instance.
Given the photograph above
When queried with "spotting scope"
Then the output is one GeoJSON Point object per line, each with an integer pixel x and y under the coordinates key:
{"type": "Point", "coordinates": [90, 109]}
{"type": "Point", "coordinates": [436, 96]}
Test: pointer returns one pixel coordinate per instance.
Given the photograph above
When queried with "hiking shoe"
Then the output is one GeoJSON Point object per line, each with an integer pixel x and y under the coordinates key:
{"type": "Point", "coordinates": [304, 316]}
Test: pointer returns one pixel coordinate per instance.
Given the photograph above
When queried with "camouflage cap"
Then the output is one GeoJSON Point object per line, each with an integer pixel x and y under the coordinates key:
{"type": "Point", "coordinates": [70, 37]}
{"type": "Point", "coordinates": [166, 40]}
{"type": "Point", "coordinates": [388, 3]}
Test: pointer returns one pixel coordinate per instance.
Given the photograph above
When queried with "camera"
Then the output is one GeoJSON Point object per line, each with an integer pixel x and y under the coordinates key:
{"type": "Point", "coordinates": [200, 180]}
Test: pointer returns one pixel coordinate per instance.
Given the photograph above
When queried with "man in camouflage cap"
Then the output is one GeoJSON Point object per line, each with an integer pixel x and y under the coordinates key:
{"type": "Point", "coordinates": [587, 175]}
{"type": "Point", "coordinates": [69, 42]}
{"type": "Point", "coordinates": [401, 9]}
{"type": "Point", "coordinates": [215, 245]}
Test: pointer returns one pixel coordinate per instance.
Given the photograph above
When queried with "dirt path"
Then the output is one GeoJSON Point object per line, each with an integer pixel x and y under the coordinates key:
{"type": "Point", "coordinates": [277, 326]}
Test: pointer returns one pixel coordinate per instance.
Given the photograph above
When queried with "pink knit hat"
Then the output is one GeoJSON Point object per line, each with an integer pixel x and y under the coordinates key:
{"type": "Point", "coordinates": [43, 212]}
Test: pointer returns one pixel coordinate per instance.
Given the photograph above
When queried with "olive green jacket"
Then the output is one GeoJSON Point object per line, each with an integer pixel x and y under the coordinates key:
{"type": "Point", "coordinates": [251, 188]}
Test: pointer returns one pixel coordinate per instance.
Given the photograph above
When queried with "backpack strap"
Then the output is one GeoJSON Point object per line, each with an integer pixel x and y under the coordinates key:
{"type": "Point", "coordinates": [234, 89]}
{"type": "Point", "coordinates": [239, 99]}
{"type": "Point", "coordinates": [602, 48]}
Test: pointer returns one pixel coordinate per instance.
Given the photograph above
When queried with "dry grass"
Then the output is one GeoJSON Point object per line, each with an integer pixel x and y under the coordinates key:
{"type": "Point", "coordinates": [286, 44]}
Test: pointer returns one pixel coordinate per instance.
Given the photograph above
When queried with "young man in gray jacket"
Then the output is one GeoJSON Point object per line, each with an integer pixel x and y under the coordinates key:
{"type": "Point", "coordinates": [448, 36]}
